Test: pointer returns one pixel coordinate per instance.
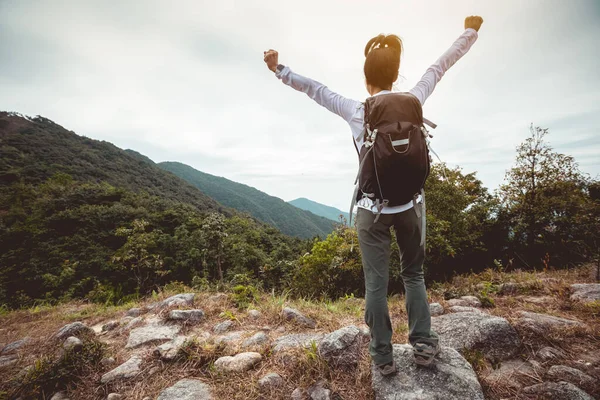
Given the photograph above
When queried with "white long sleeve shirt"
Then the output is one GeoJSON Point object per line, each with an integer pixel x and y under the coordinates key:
{"type": "Point", "coordinates": [352, 111]}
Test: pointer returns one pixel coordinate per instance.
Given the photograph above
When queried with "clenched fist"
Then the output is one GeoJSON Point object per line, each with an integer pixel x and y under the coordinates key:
{"type": "Point", "coordinates": [474, 21]}
{"type": "Point", "coordinates": [272, 59]}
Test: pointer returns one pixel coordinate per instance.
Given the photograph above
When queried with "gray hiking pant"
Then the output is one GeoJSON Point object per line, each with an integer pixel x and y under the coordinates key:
{"type": "Point", "coordinates": [375, 240]}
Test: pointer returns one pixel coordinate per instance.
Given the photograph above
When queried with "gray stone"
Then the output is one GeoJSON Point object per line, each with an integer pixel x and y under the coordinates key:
{"type": "Point", "coordinates": [109, 326]}
{"type": "Point", "coordinates": [557, 391]}
{"type": "Point", "coordinates": [571, 375]}
{"type": "Point", "coordinates": [270, 381]}
{"type": "Point", "coordinates": [450, 377]}
{"type": "Point", "coordinates": [257, 339]}
{"type": "Point", "coordinates": [127, 370]}
{"type": "Point", "coordinates": [586, 292]}
{"type": "Point", "coordinates": [60, 396]}
{"type": "Point", "coordinates": [134, 312]}
{"type": "Point", "coordinates": [465, 301]}
{"type": "Point", "coordinates": [107, 361]}
{"type": "Point", "coordinates": [114, 396]}
{"type": "Point", "coordinates": [186, 315]}
{"type": "Point", "coordinates": [492, 335]}
{"type": "Point", "coordinates": [74, 329]}
{"type": "Point", "coordinates": [550, 353]}
{"type": "Point", "coordinates": [151, 333]}
{"type": "Point", "coordinates": [538, 300]}
{"type": "Point", "coordinates": [254, 314]}
{"type": "Point", "coordinates": [342, 348]}
{"type": "Point", "coordinates": [182, 299]}
{"type": "Point", "coordinates": [541, 323]}
{"type": "Point", "coordinates": [132, 323]}
{"type": "Point", "coordinates": [230, 337]}
{"type": "Point", "coordinates": [459, 309]}
{"type": "Point", "coordinates": [296, 340]}
{"type": "Point", "coordinates": [298, 394]}
{"type": "Point", "coordinates": [318, 391]}
{"type": "Point", "coordinates": [508, 374]}
{"type": "Point", "coordinates": [223, 326]}
{"type": "Point", "coordinates": [436, 309]}
{"type": "Point", "coordinates": [187, 389]}
{"type": "Point", "coordinates": [295, 315]}
{"type": "Point", "coordinates": [168, 351]}
{"type": "Point", "coordinates": [14, 346]}
{"type": "Point", "coordinates": [239, 363]}
{"type": "Point", "coordinates": [7, 360]}
{"type": "Point", "coordinates": [72, 343]}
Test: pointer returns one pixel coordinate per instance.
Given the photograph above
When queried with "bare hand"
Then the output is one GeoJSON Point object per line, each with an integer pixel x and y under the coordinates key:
{"type": "Point", "coordinates": [474, 21]}
{"type": "Point", "coordinates": [272, 59]}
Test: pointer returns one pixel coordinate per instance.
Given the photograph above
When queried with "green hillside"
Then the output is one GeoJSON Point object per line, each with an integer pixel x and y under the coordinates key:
{"type": "Point", "coordinates": [271, 210]}
{"type": "Point", "coordinates": [319, 209]}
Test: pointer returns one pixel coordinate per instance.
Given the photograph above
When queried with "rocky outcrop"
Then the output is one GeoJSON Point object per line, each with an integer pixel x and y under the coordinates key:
{"type": "Point", "coordinates": [586, 292]}
{"type": "Point", "coordinates": [151, 333]}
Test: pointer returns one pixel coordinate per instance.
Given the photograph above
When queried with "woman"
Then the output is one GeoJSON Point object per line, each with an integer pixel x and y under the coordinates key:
{"type": "Point", "coordinates": [381, 71]}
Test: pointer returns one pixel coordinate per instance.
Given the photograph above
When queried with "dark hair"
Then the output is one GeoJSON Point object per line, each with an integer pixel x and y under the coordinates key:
{"type": "Point", "coordinates": [382, 60]}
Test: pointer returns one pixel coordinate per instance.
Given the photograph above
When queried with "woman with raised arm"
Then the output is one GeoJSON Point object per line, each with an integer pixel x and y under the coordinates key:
{"type": "Point", "coordinates": [374, 219]}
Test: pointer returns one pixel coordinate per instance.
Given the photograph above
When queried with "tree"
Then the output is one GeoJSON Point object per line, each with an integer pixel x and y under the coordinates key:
{"type": "Point", "coordinates": [213, 233]}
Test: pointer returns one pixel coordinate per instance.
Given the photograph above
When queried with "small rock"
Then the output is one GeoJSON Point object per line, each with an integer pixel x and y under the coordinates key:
{"type": "Point", "coordinates": [270, 381]}
{"type": "Point", "coordinates": [342, 348]}
{"type": "Point", "coordinates": [223, 326]}
{"type": "Point", "coordinates": [72, 343]}
{"type": "Point", "coordinates": [293, 314]}
{"type": "Point", "coordinates": [134, 312]}
{"type": "Point", "coordinates": [10, 359]}
{"type": "Point", "coordinates": [114, 396]}
{"type": "Point", "coordinates": [459, 309]}
{"type": "Point", "coordinates": [14, 346]}
{"type": "Point", "coordinates": [298, 394]}
{"type": "Point", "coordinates": [296, 340]}
{"type": "Point", "coordinates": [571, 375]}
{"type": "Point", "coordinates": [541, 323]}
{"type": "Point", "coordinates": [147, 334]}
{"type": "Point", "coordinates": [239, 363]}
{"type": "Point", "coordinates": [465, 301]}
{"type": "Point", "coordinates": [230, 337]}
{"type": "Point", "coordinates": [183, 299]}
{"type": "Point", "coordinates": [168, 351]}
{"type": "Point", "coordinates": [110, 326]}
{"type": "Point", "coordinates": [509, 288]}
{"type": "Point", "coordinates": [508, 374]}
{"type": "Point", "coordinates": [187, 389]}
{"type": "Point", "coordinates": [436, 309]}
{"type": "Point", "coordinates": [586, 292]}
{"type": "Point", "coordinates": [318, 391]}
{"type": "Point", "coordinates": [128, 369]}
{"type": "Point", "coordinates": [256, 340]}
{"type": "Point", "coordinates": [254, 314]}
{"type": "Point", "coordinates": [186, 315]}
{"type": "Point", "coordinates": [550, 353]}
{"type": "Point", "coordinates": [60, 396]}
{"type": "Point", "coordinates": [107, 361]}
{"type": "Point", "coordinates": [74, 329]}
{"type": "Point", "coordinates": [560, 390]}
{"type": "Point", "coordinates": [280, 329]}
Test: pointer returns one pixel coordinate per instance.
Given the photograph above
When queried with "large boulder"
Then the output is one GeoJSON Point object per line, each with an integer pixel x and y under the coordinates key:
{"type": "Point", "coordinates": [151, 333]}
{"type": "Point", "coordinates": [450, 377]}
{"type": "Point", "coordinates": [186, 315]}
{"type": "Point", "coordinates": [295, 315]}
{"type": "Point", "coordinates": [542, 323]}
{"type": "Point", "coordinates": [127, 370]}
{"type": "Point", "coordinates": [586, 292]}
{"type": "Point", "coordinates": [342, 348]}
{"type": "Point", "coordinates": [296, 340]}
{"type": "Point", "coordinates": [558, 391]}
{"type": "Point", "coordinates": [74, 329]}
{"type": "Point", "coordinates": [492, 335]}
{"type": "Point", "coordinates": [186, 389]}
{"type": "Point", "coordinates": [239, 363]}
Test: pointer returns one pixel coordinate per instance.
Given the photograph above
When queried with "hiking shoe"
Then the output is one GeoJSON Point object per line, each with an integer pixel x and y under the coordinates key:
{"type": "Point", "coordinates": [387, 369]}
{"type": "Point", "coordinates": [425, 353]}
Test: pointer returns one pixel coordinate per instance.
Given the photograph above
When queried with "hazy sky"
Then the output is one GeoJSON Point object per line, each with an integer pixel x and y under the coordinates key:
{"type": "Point", "coordinates": [185, 81]}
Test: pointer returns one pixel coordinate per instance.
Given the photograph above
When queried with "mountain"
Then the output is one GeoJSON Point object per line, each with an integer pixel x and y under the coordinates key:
{"type": "Point", "coordinates": [319, 209]}
{"type": "Point", "coordinates": [271, 210]}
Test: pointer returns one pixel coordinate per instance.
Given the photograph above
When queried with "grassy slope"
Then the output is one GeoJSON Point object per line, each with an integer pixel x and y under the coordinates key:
{"type": "Point", "coordinates": [320, 209]}
{"type": "Point", "coordinates": [41, 322]}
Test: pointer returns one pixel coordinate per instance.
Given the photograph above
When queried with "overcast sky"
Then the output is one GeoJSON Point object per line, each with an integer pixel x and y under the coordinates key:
{"type": "Point", "coordinates": [185, 81]}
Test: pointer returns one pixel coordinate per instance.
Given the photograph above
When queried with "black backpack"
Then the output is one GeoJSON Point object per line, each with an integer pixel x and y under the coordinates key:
{"type": "Point", "coordinates": [395, 160]}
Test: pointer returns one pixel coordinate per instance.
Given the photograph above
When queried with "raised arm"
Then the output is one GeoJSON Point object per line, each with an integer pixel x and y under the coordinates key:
{"type": "Point", "coordinates": [459, 48]}
{"type": "Point", "coordinates": [320, 93]}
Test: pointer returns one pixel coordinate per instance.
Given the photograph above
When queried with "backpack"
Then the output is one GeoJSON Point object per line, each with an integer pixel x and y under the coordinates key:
{"type": "Point", "coordinates": [394, 161]}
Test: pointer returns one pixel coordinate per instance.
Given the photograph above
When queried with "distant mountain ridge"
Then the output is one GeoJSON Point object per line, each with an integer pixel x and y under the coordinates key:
{"type": "Point", "coordinates": [287, 218]}
{"type": "Point", "coordinates": [323, 210]}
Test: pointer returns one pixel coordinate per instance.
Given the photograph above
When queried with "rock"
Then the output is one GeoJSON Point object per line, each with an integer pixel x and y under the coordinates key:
{"type": "Point", "coordinates": [459, 309]}
{"type": "Point", "coordinates": [509, 288]}
{"type": "Point", "coordinates": [550, 353]}
{"type": "Point", "coordinates": [230, 337]}
{"type": "Point", "coordinates": [60, 396]}
{"type": "Point", "coordinates": [187, 389]}
{"type": "Point", "coordinates": [7, 360]}
{"type": "Point", "coordinates": [74, 329]}
{"type": "Point", "coordinates": [318, 391]}
{"type": "Point", "coordinates": [298, 394]}
{"type": "Point", "coordinates": [492, 335]}
{"type": "Point", "coordinates": [508, 374]}
{"type": "Point", "coordinates": [293, 314]}
{"type": "Point", "coordinates": [256, 340]}
{"type": "Point", "coordinates": [114, 396]}
{"type": "Point", "coordinates": [183, 299]}
{"type": "Point", "coordinates": [450, 377]}
{"type": "Point", "coordinates": [541, 323]}
{"type": "Point", "coordinates": [571, 375]}
{"type": "Point", "coordinates": [134, 312]}
{"type": "Point", "coordinates": [127, 370]}
{"type": "Point", "coordinates": [151, 333]}
{"type": "Point", "coordinates": [342, 348]}
{"type": "Point", "coordinates": [14, 346]}
{"type": "Point", "coordinates": [558, 391]}
{"type": "Point", "coordinates": [270, 381]}
{"type": "Point", "coordinates": [133, 323]}
{"type": "Point", "coordinates": [107, 361]}
{"type": "Point", "coordinates": [254, 314]}
{"type": "Point", "coordinates": [186, 315]}
{"type": "Point", "coordinates": [540, 301]}
{"type": "Point", "coordinates": [168, 351]}
{"type": "Point", "coordinates": [72, 343]}
{"type": "Point", "coordinates": [436, 309]}
{"type": "Point", "coordinates": [215, 298]}
{"type": "Point", "coordinates": [239, 363]}
{"type": "Point", "coordinates": [296, 340]}
{"type": "Point", "coordinates": [110, 326]}
{"type": "Point", "coordinates": [586, 292]}
{"type": "Point", "coordinates": [280, 329]}
{"type": "Point", "coordinates": [223, 326]}
{"type": "Point", "coordinates": [465, 301]}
